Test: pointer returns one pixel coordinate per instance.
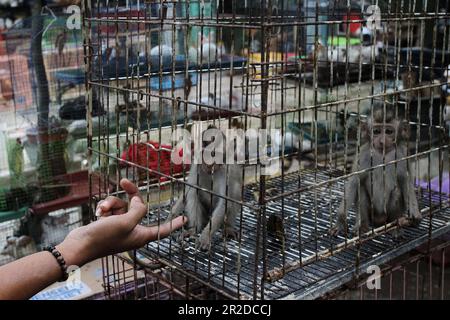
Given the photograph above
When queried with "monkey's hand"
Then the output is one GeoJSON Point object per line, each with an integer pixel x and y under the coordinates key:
{"type": "Point", "coordinates": [177, 209]}
{"type": "Point", "coordinates": [414, 213]}
{"type": "Point", "coordinates": [351, 188]}
{"type": "Point", "coordinates": [416, 218]}
{"type": "Point", "coordinates": [187, 233]}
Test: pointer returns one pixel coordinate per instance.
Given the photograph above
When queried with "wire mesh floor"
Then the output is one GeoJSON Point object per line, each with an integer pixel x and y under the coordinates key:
{"type": "Point", "coordinates": [230, 265]}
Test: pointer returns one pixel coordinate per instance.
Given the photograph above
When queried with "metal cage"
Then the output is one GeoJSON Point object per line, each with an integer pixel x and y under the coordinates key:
{"type": "Point", "coordinates": [420, 274]}
{"type": "Point", "coordinates": [42, 178]}
{"type": "Point", "coordinates": [308, 72]}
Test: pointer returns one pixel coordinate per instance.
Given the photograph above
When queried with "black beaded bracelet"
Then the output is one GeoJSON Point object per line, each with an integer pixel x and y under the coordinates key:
{"type": "Point", "coordinates": [59, 258]}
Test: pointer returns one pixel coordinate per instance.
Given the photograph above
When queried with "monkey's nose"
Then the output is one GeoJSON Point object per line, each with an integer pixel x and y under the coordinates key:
{"type": "Point", "coordinates": [381, 145]}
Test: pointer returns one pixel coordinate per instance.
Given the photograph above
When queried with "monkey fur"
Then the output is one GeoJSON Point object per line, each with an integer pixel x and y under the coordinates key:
{"type": "Point", "coordinates": [207, 213]}
{"type": "Point", "coordinates": [385, 194]}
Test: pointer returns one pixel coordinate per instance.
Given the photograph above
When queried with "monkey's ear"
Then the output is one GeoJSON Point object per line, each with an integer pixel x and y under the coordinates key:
{"type": "Point", "coordinates": [404, 130]}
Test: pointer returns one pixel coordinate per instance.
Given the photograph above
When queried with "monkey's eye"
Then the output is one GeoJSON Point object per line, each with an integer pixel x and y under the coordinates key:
{"type": "Point", "coordinates": [376, 131]}
{"type": "Point", "coordinates": [389, 131]}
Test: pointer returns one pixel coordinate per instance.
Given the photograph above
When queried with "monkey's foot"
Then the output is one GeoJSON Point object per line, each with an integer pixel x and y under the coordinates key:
{"type": "Point", "coordinates": [404, 221]}
{"type": "Point", "coordinates": [231, 233]}
{"type": "Point", "coordinates": [203, 243]}
{"type": "Point", "coordinates": [337, 229]}
{"type": "Point", "coordinates": [186, 234]}
{"type": "Point", "coordinates": [334, 231]}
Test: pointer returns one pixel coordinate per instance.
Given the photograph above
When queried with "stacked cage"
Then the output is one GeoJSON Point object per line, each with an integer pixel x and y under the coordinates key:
{"type": "Point", "coordinates": [44, 181]}
{"type": "Point", "coordinates": [422, 274]}
{"type": "Point", "coordinates": [300, 81]}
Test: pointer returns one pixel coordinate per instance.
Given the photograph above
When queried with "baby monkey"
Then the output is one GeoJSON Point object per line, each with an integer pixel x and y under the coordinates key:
{"type": "Point", "coordinates": [208, 212]}
{"type": "Point", "coordinates": [386, 194]}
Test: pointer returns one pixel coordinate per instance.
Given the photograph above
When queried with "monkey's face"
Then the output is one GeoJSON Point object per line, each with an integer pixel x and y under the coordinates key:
{"type": "Point", "coordinates": [384, 137]}
{"type": "Point", "coordinates": [208, 166]}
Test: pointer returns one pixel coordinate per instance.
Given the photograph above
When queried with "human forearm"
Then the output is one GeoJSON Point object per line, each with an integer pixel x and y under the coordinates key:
{"type": "Point", "coordinates": [115, 231]}
{"type": "Point", "coordinates": [25, 277]}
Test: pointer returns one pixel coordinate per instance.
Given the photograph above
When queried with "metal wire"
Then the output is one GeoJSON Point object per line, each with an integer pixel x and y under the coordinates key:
{"type": "Point", "coordinates": [311, 69]}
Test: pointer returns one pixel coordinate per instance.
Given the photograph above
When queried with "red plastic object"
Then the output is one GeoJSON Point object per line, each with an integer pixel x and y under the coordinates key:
{"type": "Point", "coordinates": [355, 26]}
{"type": "Point", "coordinates": [78, 194]}
{"type": "Point", "coordinates": [146, 156]}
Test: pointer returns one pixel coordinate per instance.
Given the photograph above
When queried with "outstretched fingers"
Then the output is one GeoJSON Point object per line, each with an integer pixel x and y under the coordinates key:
{"type": "Point", "coordinates": [164, 230]}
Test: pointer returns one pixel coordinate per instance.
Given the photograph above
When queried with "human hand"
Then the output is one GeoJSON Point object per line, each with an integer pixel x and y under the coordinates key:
{"type": "Point", "coordinates": [116, 230]}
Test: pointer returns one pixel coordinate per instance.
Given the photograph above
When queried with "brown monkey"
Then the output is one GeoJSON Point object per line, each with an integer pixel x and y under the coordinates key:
{"type": "Point", "coordinates": [206, 212]}
{"type": "Point", "coordinates": [384, 194]}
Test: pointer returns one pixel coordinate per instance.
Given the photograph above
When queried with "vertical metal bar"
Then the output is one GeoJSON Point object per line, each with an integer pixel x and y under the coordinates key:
{"type": "Point", "coordinates": [404, 283]}
{"type": "Point", "coordinates": [390, 286]}
{"type": "Point", "coordinates": [442, 283]}
{"type": "Point", "coordinates": [284, 37]}
{"type": "Point", "coordinates": [430, 113]}
{"type": "Point", "coordinates": [430, 270]}
{"type": "Point", "coordinates": [88, 53]}
{"type": "Point", "coordinates": [261, 224]}
{"type": "Point", "coordinates": [417, 279]}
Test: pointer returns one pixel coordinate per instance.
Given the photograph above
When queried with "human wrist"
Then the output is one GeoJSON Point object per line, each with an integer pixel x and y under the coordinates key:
{"type": "Point", "coordinates": [75, 254]}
